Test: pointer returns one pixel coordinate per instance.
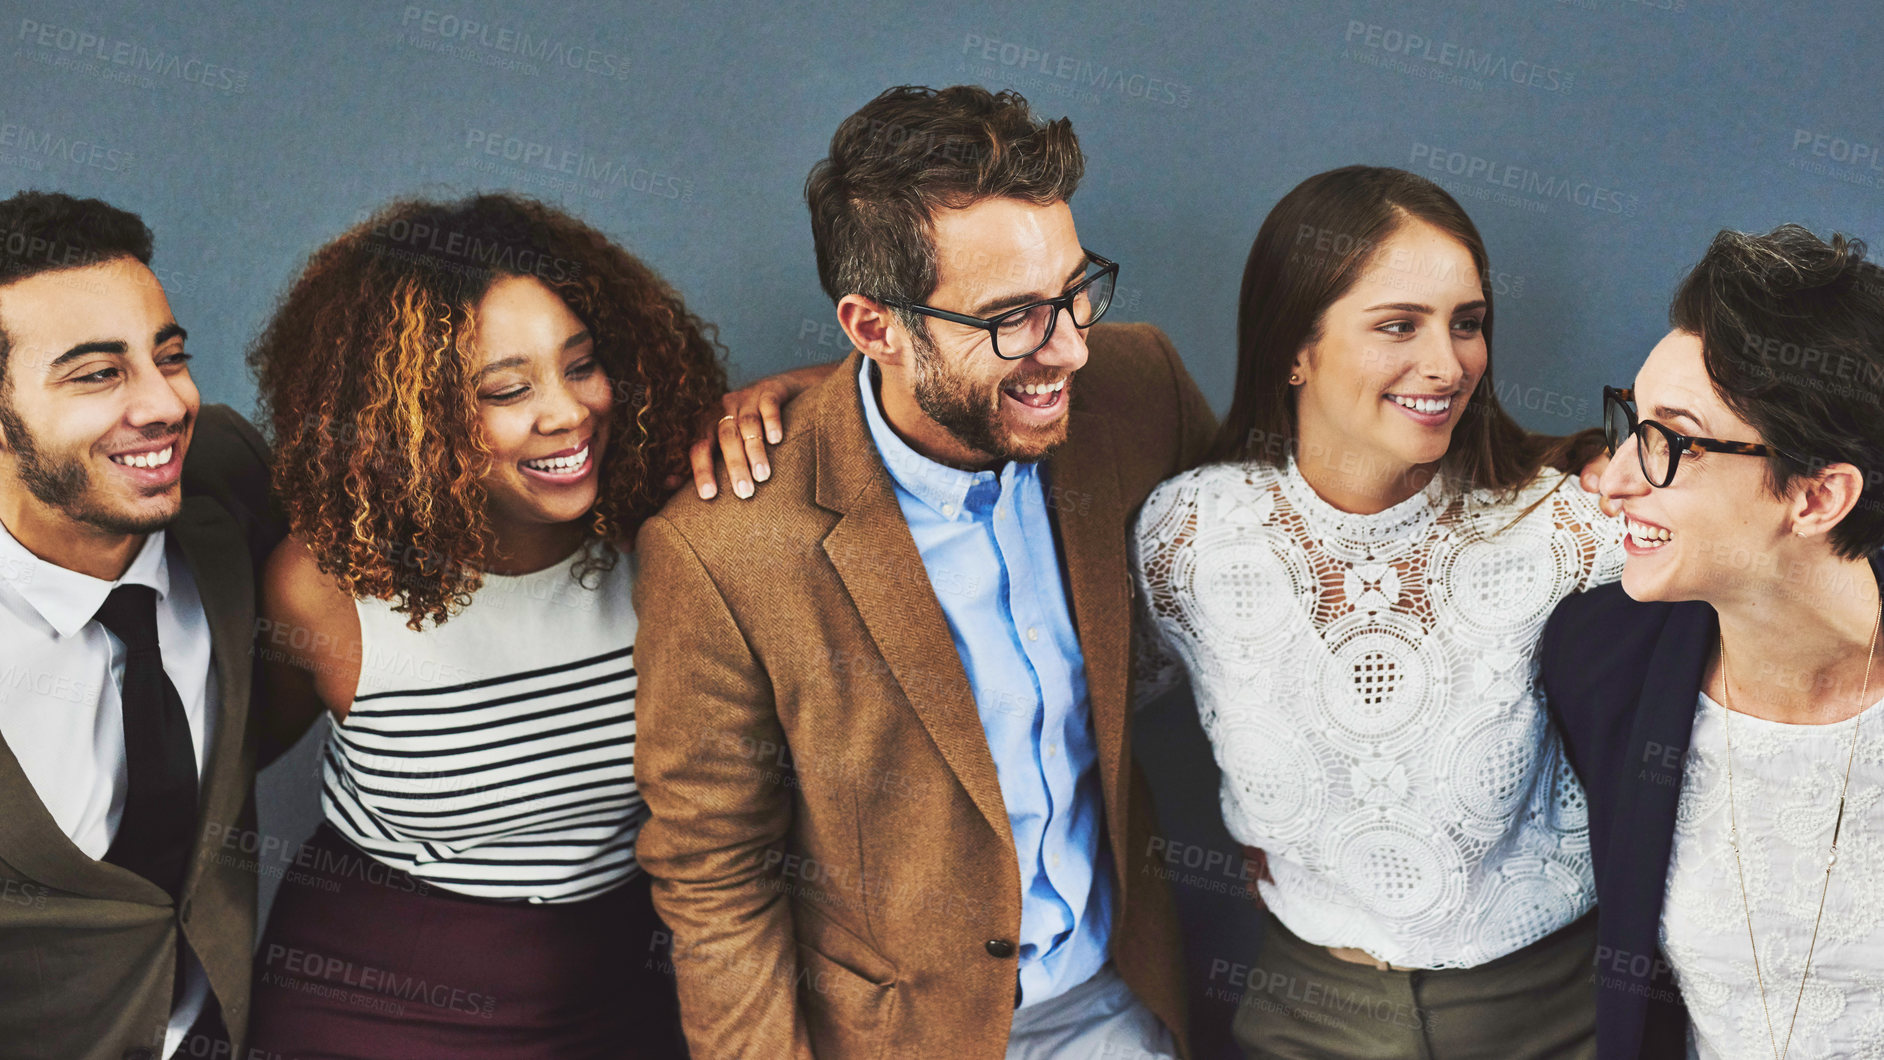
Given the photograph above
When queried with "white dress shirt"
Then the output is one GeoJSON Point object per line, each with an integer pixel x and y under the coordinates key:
{"type": "Point", "coordinates": [60, 712]}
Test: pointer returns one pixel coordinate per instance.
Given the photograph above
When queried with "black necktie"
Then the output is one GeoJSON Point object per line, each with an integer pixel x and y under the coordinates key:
{"type": "Point", "coordinates": [158, 827]}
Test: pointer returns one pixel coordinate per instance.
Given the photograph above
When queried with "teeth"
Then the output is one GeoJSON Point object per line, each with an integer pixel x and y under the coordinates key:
{"type": "Point", "coordinates": [146, 460]}
{"type": "Point", "coordinates": [1040, 388]}
{"type": "Point", "coordinates": [1427, 405]}
{"type": "Point", "coordinates": [560, 463]}
{"type": "Point", "coordinates": [1648, 536]}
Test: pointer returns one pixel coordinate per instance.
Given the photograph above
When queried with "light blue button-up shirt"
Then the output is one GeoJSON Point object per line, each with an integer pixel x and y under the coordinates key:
{"type": "Point", "coordinates": [987, 543]}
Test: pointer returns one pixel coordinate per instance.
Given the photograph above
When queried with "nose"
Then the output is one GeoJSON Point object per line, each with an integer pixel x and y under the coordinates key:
{"type": "Point", "coordinates": [1439, 363]}
{"type": "Point", "coordinates": [1066, 347]}
{"type": "Point", "coordinates": [559, 410]}
{"type": "Point", "coordinates": [156, 398]}
{"type": "Point", "coordinates": [1623, 477]}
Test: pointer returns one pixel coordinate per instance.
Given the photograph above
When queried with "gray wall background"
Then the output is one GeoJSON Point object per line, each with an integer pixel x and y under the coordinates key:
{"type": "Point", "coordinates": [1598, 144]}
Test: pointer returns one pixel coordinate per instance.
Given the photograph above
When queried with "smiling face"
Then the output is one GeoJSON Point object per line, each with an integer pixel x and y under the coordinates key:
{"type": "Point", "coordinates": [1395, 359]}
{"type": "Point", "coordinates": [97, 408]}
{"type": "Point", "coordinates": [1710, 533]}
{"type": "Point", "coordinates": [543, 406]}
{"type": "Point", "coordinates": [975, 408]}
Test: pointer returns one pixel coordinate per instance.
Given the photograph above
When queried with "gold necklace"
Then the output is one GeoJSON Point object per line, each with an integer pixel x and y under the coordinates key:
{"type": "Point", "coordinates": [1830, 860]}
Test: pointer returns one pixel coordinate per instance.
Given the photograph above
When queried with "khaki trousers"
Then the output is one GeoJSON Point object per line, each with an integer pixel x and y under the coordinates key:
{"type": "Point", "coordinates": [1302, 1003]}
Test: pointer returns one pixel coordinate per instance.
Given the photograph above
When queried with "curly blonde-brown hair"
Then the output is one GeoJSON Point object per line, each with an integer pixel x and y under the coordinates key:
{"type": "Point", "coordinates": [367, 380]}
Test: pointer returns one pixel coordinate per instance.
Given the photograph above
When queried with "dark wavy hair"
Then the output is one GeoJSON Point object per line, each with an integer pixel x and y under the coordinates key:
{"type": "Point", "coordinates": [1291, 280]}
{"type": "Point", "coordinates": [366, 378]}
{"type": "Point", "coordinates": [1792, 336]}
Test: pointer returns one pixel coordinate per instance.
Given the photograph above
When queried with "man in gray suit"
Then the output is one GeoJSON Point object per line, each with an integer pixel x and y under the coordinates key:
{"type": "Point", "coordinates": [131, 521]}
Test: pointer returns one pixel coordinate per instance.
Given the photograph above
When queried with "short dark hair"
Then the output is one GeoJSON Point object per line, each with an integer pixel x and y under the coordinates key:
{"type": "Point", "coordinates": [47, 231]}
{"type": "Point", "coordinates": [1792, 334]}
{"type": "Point", "coordinates": [910, 152]}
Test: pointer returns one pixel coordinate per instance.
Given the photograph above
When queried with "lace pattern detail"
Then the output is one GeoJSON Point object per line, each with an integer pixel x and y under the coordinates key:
{"type": "Point", "coordinates": [1786, 781]}
{"type": "Point", "coordinates": [1368, 686]}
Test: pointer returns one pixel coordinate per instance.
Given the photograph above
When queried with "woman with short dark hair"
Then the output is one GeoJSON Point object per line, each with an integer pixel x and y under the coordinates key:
{"type": "Point", "coordinates": [1721, 703]}
{"type": "Point", "coordinates": [1355, 587]}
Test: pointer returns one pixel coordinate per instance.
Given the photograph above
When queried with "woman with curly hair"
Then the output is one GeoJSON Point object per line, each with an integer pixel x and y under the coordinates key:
{"type": "Point", "coordinates": [474, 405]}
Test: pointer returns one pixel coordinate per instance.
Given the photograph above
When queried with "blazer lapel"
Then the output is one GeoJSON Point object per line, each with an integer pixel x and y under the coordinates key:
{"type": "Point", "coordinates": [1641, 840]}
{"type": "Point", "coordinates": [1083, 496]}
{"type": "Point", "coordinates": [875, 556]}
{"type": "Point", "coordinates": [31, 841]}
{"type": "Point", "coordinates": [218, 555]}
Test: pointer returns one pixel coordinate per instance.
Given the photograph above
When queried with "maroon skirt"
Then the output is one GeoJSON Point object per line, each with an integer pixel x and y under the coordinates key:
{"type": "Point", "coordinates": [361, 961]}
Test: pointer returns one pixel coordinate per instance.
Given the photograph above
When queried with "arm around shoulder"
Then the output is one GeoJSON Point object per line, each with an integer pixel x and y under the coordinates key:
{"type": "Point", "coordinates": [307, 640]}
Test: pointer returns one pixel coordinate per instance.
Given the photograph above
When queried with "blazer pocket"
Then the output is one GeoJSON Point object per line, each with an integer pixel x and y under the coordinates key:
{"type": "Point", "coordinates": [847, 1013]}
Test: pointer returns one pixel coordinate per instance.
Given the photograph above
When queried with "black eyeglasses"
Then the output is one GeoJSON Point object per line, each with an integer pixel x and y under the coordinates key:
{"type": "Point", "coordinates": [1658, 448]}
{"type": "Point", "coordinates": [1023, 331]}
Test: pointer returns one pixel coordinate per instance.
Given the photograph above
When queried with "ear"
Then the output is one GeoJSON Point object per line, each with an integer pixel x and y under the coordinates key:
{"type": "Point", "coordinates": [1304, 362]}
{"type": "Point", "coordinates": [874, 329]}
{"type": "Point", "coordinates": [1820, 502]}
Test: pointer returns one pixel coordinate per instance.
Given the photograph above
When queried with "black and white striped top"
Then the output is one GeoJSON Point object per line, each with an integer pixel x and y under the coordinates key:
{"type": "Point", "coordinates": [494, 755]}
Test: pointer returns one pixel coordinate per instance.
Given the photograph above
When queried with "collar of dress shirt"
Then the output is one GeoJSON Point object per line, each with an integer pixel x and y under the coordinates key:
{"type": "Point", "coordinates": [942, 488]}
{"type": "Point", "coordinates": [66, 599]}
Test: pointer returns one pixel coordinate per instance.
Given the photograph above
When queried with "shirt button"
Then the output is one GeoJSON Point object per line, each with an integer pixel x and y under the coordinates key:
{"type": "Point", "coordinates": [1000, 948]}
{"type": "Point", "coordinates": [1052, 750]}
{"type": "Point", "coordinates": [1033, 633]}
{"type": "Point", "coordinates": [948, 509]}
{"type": "Point", "coordinates": [1054, 861]}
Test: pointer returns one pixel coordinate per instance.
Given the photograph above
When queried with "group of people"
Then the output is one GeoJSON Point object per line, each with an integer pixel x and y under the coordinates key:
{"type": "Point", "coordinates": [841, 765]}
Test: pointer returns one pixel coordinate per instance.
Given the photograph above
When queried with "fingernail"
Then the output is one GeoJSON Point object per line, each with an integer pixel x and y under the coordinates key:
{"type": "Point", "coordinates": [709, 491]}
{"type": "Point", "coordinates": [762, 471]}
{"type": "Point", "coordinates": [773, 437]}
{"type": "Point", "coordinates": [743, 488]}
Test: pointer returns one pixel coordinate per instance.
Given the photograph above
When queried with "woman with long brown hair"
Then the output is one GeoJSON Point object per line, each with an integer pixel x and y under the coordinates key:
{"type": "Point", "coordinates": [474, 404]}
{"type": "Point", "coordinates": [1355, 584]}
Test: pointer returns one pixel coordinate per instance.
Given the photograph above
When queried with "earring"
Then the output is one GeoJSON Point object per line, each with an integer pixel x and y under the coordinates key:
{"type": "Point", "coordinates": [1294, 380]}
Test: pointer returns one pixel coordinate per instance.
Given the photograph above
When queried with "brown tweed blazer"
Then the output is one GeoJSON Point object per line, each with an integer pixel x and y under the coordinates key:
{"type": "Point", "coordinates": [828, 841]}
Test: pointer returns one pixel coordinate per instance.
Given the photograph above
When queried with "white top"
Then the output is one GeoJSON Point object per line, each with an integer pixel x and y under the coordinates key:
{"type": "Point", "coordinates": [60, 708]}
{"type": "Point", "coordinates": [1786, 783]}
{"type": "Point", "coordinates": [493, 755]}
{"type": "Point", "coordinates": [1368, 686]}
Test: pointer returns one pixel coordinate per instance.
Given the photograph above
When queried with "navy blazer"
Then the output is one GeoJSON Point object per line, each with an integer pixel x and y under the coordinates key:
{"type": "Point", "coordinates": [1622, 680]}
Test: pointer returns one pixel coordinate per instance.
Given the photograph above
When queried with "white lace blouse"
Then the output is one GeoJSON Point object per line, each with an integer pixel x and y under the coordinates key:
{"type": "Point", "coordinates": [1367, 683]}
{"type": "Point", "coordinates": [1786, 781]}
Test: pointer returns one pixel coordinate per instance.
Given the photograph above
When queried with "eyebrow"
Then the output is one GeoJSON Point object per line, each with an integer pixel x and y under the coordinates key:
{"type": "Point", "coordinates": [519, 360]}
{"type": "Point", "coordinates": [115, 347]}
{"type": "Point", "coordinates": [1669, 412]}
{"type": "Point", "coordinates": [999, 305]}
{"type": "Point", "coordinates": [1416, 307]}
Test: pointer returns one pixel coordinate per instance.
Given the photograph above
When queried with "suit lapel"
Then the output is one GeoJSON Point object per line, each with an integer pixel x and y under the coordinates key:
{"type": "Point", "coordinates": [31, 841]}
{"type": "Point", "coordinates": [218, 556]}
{"type": "Point", "coordinates": [875, 556]}
{"type": "Point", "coordinates": [1089, 518]}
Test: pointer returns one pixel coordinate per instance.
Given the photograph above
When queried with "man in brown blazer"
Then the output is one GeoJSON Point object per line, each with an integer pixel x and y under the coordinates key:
{"type": "Point", "coordinates": [884, 705]}
{"type": "Point", "coordinates": [131, 517]}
